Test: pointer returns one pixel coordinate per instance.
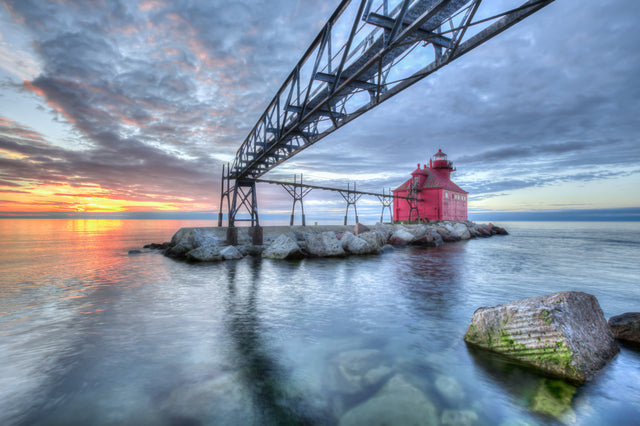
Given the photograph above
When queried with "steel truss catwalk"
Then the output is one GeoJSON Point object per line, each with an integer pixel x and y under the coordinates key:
{"type": "Point", "coordinates": [359, 60]}
{"type": "Point", "coordinates": [368, 51]}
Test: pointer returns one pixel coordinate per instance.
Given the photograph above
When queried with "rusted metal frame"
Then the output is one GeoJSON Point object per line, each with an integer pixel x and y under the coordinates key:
{"type": "Point", "coordinates": [347, 48]}
{"type": "Point", "coordinates": [398, 23]}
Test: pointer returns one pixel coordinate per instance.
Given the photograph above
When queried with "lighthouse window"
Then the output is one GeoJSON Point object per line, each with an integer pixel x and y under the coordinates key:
{"type": "Point", "coordinates": [446, 195]}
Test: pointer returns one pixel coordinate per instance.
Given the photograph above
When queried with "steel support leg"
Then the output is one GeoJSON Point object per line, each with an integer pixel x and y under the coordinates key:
{"type": "Point", "coordinates": [244, 197]}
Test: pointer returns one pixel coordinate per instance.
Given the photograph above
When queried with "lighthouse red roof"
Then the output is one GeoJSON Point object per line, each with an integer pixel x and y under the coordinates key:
{"type": "Point", "coordinates": [434, 179]}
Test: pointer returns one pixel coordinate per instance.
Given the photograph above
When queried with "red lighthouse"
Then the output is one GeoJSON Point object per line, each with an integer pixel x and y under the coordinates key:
{"type": "Point", "coordinates": [437, 197]}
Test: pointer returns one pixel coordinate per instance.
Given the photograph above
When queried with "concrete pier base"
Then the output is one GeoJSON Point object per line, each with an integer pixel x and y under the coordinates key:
{"type": "Point", "coordinates": [256, 235]}
{"type": "Point", "coordinates": [232, 236]}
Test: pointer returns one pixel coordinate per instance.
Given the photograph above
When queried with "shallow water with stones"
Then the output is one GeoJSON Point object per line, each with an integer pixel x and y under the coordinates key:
{"type": "Point", "coordinates": [92, 335]}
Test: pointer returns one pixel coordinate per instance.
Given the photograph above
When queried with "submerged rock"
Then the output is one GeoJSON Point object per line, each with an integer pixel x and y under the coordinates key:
{"type": "Point", "coordinates": [458, 417]}
{"type": "Point", "coordinates": [211, 401]}
{"type": "Point", "coordinates": [283, 247]}
{"type": "Point", "coordinates": [626, 327]}
{"type": "Point", "coordinates": [563, 334]}
{"type": "Point", "coordinates": [398, 402]}
{"type": "Point", "coordinates": [354, 371]}
{"type": "Point", "coordinates": [553, 398]}
{"type": "Point", "coordinates": [450, 389]}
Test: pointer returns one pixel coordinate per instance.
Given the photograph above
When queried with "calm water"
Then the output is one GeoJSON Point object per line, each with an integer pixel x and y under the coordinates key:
{"type": "Point", "coordinates": [92, 335]}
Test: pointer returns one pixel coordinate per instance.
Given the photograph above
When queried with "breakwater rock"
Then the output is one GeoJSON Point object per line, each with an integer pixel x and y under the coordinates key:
{"type": "Point", "coordinates": [564, 334]}
{"type": "Point", "coordinates": [626, 327]}
{"type": "Point", "coordinates": [294, 242]}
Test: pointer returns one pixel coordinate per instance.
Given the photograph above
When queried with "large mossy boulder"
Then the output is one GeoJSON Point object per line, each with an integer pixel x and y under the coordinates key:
{"type": "Point", "coordinates": [563, 334]}
{"type": "Point", "coordinates": [626, 327]}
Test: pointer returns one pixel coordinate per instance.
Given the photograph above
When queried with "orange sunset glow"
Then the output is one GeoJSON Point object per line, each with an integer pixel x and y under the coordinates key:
{"type": "Point", "coordinates": [66, 198]}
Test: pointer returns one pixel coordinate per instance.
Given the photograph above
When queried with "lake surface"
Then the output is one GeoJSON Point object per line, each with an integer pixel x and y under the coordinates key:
{"type": "Point", "coordinates": [92, 335]}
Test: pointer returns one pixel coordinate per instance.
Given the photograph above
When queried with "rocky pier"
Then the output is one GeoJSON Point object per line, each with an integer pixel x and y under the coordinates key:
{"type": "Point", "coordinates": [293, 242]}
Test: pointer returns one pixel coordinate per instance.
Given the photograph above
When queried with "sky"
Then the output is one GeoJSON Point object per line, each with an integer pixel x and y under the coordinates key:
{"type": "Point", "coordinates": [133, 107]}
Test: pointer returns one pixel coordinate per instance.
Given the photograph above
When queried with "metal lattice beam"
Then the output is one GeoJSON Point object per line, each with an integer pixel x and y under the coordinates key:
{"type": "Point", "coordinates": [326, 90]}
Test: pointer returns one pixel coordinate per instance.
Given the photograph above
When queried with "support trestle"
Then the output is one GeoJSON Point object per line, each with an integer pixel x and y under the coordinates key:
{"type": "Point", "coordinates": [241, 198]}
{"type": "Point", "coordinates": [351, 196]}
{"type": "Point", "coordinates": [387, 202]}
{"type": "Point", "coordinates": [298, 192]}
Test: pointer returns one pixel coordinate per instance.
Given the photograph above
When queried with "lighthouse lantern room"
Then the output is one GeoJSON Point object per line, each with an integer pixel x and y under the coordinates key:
{"type": "Point", "coordinates": [435, 196]}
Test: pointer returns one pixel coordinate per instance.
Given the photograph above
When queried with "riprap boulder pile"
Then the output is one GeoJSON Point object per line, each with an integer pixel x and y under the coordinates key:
{"type": "Point", "coordinates": [209, 244]}
{"type": "Point", "coordinates": [563, 334]}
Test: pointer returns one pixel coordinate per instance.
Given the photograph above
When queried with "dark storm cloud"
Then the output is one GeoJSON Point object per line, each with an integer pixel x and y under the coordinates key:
{"type": "Point", "coordinates": [158, 88]}
{"type": "Point", "coordinates": [164, 90]}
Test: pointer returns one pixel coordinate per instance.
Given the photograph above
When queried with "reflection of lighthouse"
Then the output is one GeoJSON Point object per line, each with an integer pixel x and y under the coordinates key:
{"type": "Point", "coordinates": [440, 199]}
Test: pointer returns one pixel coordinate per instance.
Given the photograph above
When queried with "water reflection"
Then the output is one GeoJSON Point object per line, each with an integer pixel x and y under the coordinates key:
{"type": "Point", "coordinates": [432, 278]}
{"type": "Point", "coordinates": [548, 398]}
{"type": "Point", "coordinates": [261, 372]}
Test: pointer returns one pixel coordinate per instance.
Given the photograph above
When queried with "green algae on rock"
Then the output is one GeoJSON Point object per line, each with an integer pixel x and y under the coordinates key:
{"type": "Point", "coordinates": [563, 334]}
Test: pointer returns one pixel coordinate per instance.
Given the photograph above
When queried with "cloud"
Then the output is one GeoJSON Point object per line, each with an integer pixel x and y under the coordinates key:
{"type": "Point", "coordinates": [160, 92]}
